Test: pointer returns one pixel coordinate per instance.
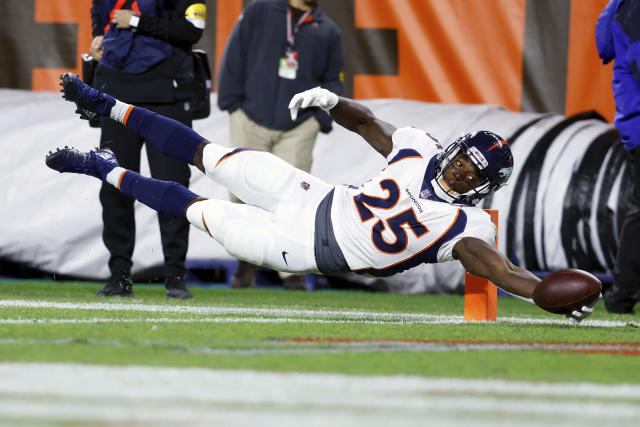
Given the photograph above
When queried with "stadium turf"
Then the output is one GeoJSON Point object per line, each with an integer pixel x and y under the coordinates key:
{"type": "Point", "coordinates": [322, 331]}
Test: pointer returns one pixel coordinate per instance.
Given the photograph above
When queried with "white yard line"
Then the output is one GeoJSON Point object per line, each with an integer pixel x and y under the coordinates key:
{"type": "Point", "coordinates": [196, 396]}
{"type": "Point", "coordinates": [354, 315]}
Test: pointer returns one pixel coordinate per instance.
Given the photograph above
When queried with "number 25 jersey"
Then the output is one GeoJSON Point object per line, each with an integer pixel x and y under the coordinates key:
{"type": "Point", "coordinates": [395, 221]}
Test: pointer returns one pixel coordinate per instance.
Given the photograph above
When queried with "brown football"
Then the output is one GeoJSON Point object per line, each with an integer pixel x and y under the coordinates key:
{"type": "Point", "coordinates": [563, 291]}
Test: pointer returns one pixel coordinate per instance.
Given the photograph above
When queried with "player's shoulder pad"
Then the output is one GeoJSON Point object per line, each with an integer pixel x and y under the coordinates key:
{"type": "Point", "coordinates": [409, 138]}
{"type": "Point", "coordinates": [408, 135]}
{"type": "Point", "coordinates": [197, 15]}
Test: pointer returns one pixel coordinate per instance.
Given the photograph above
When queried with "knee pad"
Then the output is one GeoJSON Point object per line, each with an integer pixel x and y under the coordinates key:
{"type": "Point", "coordinates": [247, 241]}
{"type": "Point", "coordinates": [267, 173]}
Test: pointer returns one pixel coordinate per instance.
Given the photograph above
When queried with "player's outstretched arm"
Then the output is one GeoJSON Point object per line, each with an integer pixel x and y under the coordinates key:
{"type": "Point", "coordinates": [348, 114]}
{"type": "Point", "coordinates": [483, 260]}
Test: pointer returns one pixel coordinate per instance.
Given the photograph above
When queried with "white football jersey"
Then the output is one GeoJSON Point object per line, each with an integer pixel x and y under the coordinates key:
{"type": "Point", "coordinates": [395, 221]}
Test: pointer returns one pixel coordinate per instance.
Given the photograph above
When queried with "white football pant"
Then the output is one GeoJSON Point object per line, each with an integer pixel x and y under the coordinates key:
{"type": "Point", "coordinates": [275, 227]}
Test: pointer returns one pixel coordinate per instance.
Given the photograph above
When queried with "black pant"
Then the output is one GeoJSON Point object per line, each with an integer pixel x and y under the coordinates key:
{"type": "Point", "coordinates": [623, 294]}
{"type": "Point", "coordinates": [117, 208]}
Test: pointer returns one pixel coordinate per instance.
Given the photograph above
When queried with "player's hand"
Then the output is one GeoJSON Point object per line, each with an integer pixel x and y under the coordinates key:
{"type": "Point", "coordinates": [96, 48]}
{"type": "Point", "coordinates": [316, 97]}
{"type": "Point", "coordinates": [122, 17]}
{"type": "Point", "coordinates": [577, 316]}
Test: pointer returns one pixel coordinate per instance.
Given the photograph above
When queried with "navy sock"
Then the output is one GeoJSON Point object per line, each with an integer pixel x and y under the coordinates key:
{"type": "Point", "coordinates": [169, 136]}
{"type": "Point", "coordinates": [163, 196]}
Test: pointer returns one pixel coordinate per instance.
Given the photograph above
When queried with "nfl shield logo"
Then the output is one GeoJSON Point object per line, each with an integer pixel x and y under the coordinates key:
{"type": "Point", "coordinates": [425, 194]}
{"type": "Point", "coordinates": [305, 185]}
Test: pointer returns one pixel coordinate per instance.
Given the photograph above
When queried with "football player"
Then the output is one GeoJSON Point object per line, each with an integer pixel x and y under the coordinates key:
{"type": "Point", "coordinates": [418, 209]}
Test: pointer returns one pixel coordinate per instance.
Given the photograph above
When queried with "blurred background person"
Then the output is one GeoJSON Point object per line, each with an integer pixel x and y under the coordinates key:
{"type": "Point", "coordinates": [618, 38]}
{"type": "Point", "coordinates": [277, 49]}
{"type": "Point", "coordinates": [144, 53]}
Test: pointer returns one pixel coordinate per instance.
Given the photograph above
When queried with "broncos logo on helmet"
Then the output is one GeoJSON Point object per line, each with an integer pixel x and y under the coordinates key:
{"type": "Point", "coordinates": [491, 156]}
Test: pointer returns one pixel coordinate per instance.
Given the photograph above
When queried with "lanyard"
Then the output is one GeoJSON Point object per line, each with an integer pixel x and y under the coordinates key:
{"type": "Point", "coordinates": [290, 34]}
{"type": "Point", "coordinates": [122, 4]}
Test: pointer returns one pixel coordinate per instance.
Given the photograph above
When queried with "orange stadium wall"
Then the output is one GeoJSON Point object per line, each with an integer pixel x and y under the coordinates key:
{"type": "Point", "coordinates": [524, 55]}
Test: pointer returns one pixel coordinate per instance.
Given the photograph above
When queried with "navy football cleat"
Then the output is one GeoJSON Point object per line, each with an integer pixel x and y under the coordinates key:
{"type": "Point", "coordinates": [91, 103]}
{"type": "Point", "coordinates": [96, 163]}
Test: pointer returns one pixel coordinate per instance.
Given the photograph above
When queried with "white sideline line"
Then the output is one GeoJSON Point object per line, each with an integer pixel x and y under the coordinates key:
{"type": "Point", "coordinates": [219, 310]}
{"type": "Point", "coordinates": [198, 396]}
{"type": "Point", "coordinates": [382, 317]}
{"type": "Point", "coordinates": [96, 320]}
{"type": "Point", "coordinates": [444, 320]}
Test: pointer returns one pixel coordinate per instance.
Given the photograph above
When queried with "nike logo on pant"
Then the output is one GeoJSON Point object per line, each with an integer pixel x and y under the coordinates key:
{"type": "Point", "coordinates": [284, 257]}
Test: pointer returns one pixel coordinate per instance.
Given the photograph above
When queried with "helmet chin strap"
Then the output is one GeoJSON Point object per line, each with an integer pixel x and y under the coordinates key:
{"type": "Point", "coordinates": [441, 193]}
{"type": "Point", "coordinates": [449, 196]}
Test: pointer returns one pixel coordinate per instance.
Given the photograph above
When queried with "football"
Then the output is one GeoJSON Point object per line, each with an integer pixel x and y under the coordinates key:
{"type": "Point", "coordinates": [563, 291]}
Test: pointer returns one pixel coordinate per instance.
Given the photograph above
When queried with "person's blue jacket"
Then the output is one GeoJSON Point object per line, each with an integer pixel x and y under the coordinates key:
{"type": "Point", "coordinates": [618, 37]}
{"type": "Point", "coordinates": [248, 76]}
{"type": "Point", "coordinates": [152, 65]}
{"type": "Point", "coordinates": [119, 44]}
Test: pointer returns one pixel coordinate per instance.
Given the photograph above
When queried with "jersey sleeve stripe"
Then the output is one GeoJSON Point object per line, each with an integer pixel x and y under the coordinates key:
{"type": "Point", "coordinates": [427, 255]}
{"type": "Point", "coordinates": [405, 153]}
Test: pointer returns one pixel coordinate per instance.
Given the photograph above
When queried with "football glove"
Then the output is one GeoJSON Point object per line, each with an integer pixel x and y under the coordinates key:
{"type": "Point", "coordinates": [577, 316]}
{"type": "Point", "coordinates": [316, 97]}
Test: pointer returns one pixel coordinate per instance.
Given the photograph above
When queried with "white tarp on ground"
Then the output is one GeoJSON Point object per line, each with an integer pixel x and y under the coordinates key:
{"type": "Point", "coordinates": [53, 222]}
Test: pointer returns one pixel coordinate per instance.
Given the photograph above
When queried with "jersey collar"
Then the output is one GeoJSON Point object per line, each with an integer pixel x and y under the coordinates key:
{"type": "Point", "coordinates": [427, 190]}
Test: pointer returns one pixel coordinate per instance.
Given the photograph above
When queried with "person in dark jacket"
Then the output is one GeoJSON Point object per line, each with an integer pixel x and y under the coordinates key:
{"type": "Point", "coordinates": [277, 49]}
{"type": "Point", "coordinates": [618, 38]}
{"type": "Point", "coordinates": [144, 49]}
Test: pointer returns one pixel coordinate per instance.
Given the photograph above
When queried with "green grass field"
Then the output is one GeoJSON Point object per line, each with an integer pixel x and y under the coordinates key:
{"type": "Point", "coordinates": [329, 332]}
{"type": "Point", "coordinates": [124, 334]}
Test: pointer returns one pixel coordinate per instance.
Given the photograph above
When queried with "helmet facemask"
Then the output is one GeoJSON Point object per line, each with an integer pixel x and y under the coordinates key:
{"type": "Point", "coordinates": [493, 167]}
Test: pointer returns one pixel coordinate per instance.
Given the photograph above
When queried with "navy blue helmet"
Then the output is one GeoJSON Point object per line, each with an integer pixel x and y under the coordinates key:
{"type": "Point", "coordinates": [490, 154]}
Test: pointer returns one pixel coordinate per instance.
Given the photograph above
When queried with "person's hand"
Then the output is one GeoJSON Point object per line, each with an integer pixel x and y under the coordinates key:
{"type": "Point", "coordinates": [121, 18]}
{"type": "Point", "coordinates": [577, 316]}
{"type": "Point", "coordinates": [96, 48]}
{"type": "Point", "coordinates": [316, 97]}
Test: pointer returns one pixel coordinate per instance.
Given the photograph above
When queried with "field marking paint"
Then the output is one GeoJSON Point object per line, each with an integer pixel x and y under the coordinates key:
{"type": "Point", "coordinates": [624, 348]}
{"type": "Point", "coordinates": [382, 317]}
{"type": "Point", "coordinates": [341, 346]}
{"type": "Point", "coordinates": [132, 394]}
